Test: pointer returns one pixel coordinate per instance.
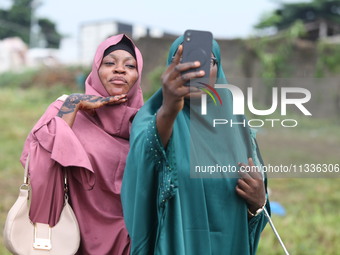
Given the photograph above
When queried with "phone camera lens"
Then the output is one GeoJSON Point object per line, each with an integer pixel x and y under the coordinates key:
{"type": "Point", "coordinates": [188, 39]}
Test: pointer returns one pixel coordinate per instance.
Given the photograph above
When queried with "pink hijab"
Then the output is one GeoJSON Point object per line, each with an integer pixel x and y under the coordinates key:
{"type": "Point", "coordinates": [122, 113]}
{"type": "Point", "coordinates": [94, 152]}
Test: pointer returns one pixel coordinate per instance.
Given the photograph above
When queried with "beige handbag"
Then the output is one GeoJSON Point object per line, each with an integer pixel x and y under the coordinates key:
{"type": "Point", "coordinates": [23, 237]}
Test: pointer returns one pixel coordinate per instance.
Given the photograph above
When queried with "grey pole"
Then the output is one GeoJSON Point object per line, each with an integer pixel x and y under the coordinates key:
{"type": "Point", "coordinates": [275, 231]}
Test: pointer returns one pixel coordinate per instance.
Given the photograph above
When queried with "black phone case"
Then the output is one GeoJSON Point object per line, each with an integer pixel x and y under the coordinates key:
{"type": "Point", "coordinates": [197, 46]}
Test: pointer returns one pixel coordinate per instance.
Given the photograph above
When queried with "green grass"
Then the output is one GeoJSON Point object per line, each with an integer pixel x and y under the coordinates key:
{"type": "Point", "coordinates": [312, 221]}
{"type": "Point", "coordinates": [311, 224]}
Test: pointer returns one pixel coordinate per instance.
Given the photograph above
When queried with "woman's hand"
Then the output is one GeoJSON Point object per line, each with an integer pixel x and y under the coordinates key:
{"type": "Point", "coordinates": [174, 91]}
{"type": "Point", "coordinates": [87, 103]}
{"type": "Point", "coordinates": [251, 186]}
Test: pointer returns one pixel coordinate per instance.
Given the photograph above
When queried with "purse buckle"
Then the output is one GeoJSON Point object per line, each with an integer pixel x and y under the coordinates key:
{"type": "Point", "coordinates": [42, 243]}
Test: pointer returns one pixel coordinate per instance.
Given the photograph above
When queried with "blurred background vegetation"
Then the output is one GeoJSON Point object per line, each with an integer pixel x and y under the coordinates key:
{"type": "Point", "coordinates": [311, 222]}
{"type": "Point", "coordinates": [17, 22]}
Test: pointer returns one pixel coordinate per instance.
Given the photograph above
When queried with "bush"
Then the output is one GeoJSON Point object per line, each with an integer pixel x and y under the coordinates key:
{"type": "Point", "coordinates": [72, 77]}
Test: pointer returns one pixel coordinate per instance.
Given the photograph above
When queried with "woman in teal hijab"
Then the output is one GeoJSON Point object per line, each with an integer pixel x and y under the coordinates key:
{"type": "Point", "coordinates": [167, 209]}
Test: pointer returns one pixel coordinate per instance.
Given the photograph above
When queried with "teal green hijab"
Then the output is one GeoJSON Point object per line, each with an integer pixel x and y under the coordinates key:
{"type": "Point", "coordinates": [205, 146]}
{"type": "Point", "coordinates": [166, 209]}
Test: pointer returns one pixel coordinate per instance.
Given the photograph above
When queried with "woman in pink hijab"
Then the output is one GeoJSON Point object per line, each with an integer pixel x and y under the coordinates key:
{"type": "Point", "coordinates": [88, 135]}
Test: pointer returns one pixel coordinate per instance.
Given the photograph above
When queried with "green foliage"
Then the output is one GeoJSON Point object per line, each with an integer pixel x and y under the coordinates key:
{"type": "Point", "coordinates": [20, 13]}
{"type": "Point", "coordinates": [269, 20]}
{"type": "Point", "coordinates": [16, 22]}
{"type": "Point", "coordinates": [48, 28]}
{"type": "Point", "coordinates": [18, 16]}
{"type": "Point", "coordinates": [155, 81]}
{"type": "Point", "coordinates": [287, 14]}
{"type": "Point", "coordinates": [328, 59]}
{"type": "Point", "coordinates": [274, 58]}
{"type": "Point", "coordinates": [43, 77]}
{"type": "Point", "coordinates": [15, 80]}
{"type": "Point", "coordinates": [274, 52]}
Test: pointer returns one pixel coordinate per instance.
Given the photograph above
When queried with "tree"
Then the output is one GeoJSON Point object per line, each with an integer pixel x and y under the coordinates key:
{"type": "Point", "coordinates": [17, 21]}
{"type": "Point", "coordinates": [321, 13]}
{"type": "Point", "coordinates": [48, 29]}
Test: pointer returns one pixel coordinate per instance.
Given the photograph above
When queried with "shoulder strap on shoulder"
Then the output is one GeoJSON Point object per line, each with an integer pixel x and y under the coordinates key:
{"type": "Point", "coordinates": [62, 98]}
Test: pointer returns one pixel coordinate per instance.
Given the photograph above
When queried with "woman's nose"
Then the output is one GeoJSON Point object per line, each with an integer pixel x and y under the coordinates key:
{"type": "Point", "coordinates": [119, 68]}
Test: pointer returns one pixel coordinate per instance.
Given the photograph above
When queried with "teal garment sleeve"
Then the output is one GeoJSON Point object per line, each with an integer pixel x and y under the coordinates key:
{"type": "Point", "coordinates": [258, 223]}
{"type": "Point", "coordinates": [256, 226]}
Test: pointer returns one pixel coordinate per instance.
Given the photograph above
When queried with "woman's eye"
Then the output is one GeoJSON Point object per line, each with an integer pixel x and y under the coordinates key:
{"type": "Point", "coordinates": [109, 63]}
{"type": "Point", "coordinates": [131, 66]}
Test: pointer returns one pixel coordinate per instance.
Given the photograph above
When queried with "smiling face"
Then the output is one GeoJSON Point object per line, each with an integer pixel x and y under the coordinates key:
{"type": "Point", "coordinates": [118, 72]}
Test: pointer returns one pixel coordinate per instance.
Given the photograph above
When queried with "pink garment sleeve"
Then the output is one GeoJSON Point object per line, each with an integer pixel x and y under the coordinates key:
{"type": "Point", "coordinates": [52, 146]}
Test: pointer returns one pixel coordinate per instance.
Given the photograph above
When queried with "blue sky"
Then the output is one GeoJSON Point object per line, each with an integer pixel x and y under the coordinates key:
{"type": "Point", "coordinates": [224, 18]}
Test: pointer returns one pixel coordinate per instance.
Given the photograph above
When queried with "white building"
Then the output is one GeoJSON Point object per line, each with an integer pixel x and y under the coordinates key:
{"type": "Point", "coordinates": [93, 33]}
{"type": "Point", "coordinates": [13, 54]}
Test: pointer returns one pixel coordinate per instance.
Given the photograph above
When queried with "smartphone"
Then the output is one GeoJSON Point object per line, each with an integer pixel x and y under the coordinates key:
{"type": "Point", "coordinates": [197, 46]}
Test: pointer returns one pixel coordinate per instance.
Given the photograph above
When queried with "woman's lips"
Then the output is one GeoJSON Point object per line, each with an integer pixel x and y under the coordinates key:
{"type": "Point", "coordinates": [118, 81]}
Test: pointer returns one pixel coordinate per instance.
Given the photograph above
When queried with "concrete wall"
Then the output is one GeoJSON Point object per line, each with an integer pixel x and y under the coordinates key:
{"type": "Point", "coordinates": [325, 101]}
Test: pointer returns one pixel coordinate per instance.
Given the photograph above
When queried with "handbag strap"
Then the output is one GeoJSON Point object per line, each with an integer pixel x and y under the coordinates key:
{"type": "Point", "coordinates": [65, 185]}
{"type": "Point", "coordinates": [26, 170]}
{"type": "Point", "coordinates": [26, 178]}
{"type": "Point", "coordinates": [62, 98]}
